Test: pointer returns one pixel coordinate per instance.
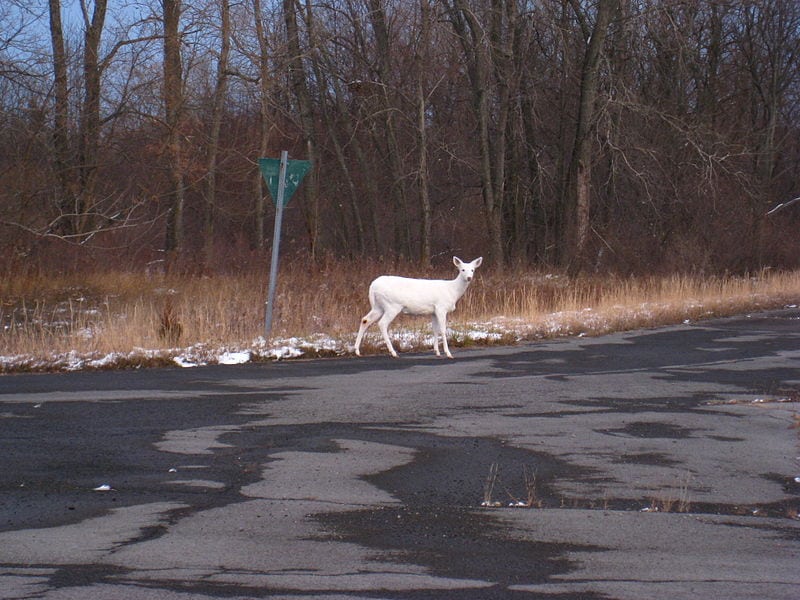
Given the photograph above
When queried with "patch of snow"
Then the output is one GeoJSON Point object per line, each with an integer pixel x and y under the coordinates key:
{"type": "Point", "coordinates": [483, 335]}
{"type": "Point", "coordinates": [234, 358]}
{"type": "Point", "coordinates": [183, 361]}
{"type": "Point", "coordinates": [284, 352]}
{"type": "Point", "coordinates": [103, 361]}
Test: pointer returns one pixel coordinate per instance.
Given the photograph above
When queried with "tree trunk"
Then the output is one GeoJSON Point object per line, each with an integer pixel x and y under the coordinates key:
{"type": "Point", "coordinates": [519, 188]}
{"type": "Point", "coordinates": [173, 108]}
{"type": "Point", "coordinates": [580, 172]}
{"type": "Point", "coordinates": [66, 223]}
{"type": "Point", "coordinates": [342, 159]}
{"type": "Point", "coordinates": [385, 91]}
{"type": "Point", "coordinates": [217, 112]}
{"type": "Point", "coordinates": [90, 116]}
{"type": "Point", "coordinates": [423, 179]}
{"type": "Point", "coordinates": [470, 34]}
{"type": "Point", "coordinates": [502, 40]}
{"type": "Point", "coordinates": [264, 88]}
{"type": "Point", "coordinates": [297, 80]}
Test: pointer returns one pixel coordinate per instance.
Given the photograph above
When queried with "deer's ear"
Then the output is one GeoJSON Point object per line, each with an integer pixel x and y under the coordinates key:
{"type": "Point", "coordinates": [457, 262]}
{"type": "Point", "coordinates": [477, 262]}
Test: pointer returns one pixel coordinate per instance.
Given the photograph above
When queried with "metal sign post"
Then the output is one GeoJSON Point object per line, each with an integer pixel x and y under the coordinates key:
{"type": "Point", "coordinates": [282, 179]}
{"type": "Point", "coordinates": [276, 244]}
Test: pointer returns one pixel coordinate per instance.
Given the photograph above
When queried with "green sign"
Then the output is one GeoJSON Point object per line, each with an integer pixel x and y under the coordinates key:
{"type": "Point", "coordinates": [295, 171]}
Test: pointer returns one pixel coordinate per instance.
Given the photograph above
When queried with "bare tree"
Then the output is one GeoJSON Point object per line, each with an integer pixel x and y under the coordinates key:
{"type": "Point", "coordinates": [299, 85]}
{"type": "Point", "coordinates": [173, 109]}
{"type": "Point", "coordinates": [658, 132]}
{"type": "Point", "coordinates": [64, 167]}
{"type": "Point", "coordinates": [578, 191]}
{"type": "Point", "coordinates": [331, 110]}
{"type": "Point", "coordinates": [386, 111]}
{"type": "Point", "coordinates": [217, 112]}
{"type": "Point", "coordinates": [422, 58]}
{"type": "Point", "coordinates": [264, 94]}
{"type": "Point", "coordinates": [89, 138]}
{"type": "Point", "coordinates": [472, 37]}
{"type": "Point", "coordinates": [770, 43]}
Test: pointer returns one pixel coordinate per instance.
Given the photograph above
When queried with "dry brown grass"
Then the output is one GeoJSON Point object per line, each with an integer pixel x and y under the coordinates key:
{"type": "Point", "coordinates": [116, 312]}
{"type": "Point", "coordinates": [552, 305]}
{"type": "Point", "coordinates": [674, 498]}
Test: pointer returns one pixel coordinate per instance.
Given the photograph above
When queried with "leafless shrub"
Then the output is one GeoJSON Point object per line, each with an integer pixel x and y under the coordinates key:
{"type": "Point", "coordinates": [674, 499]}
{"type": "Point", "coordinates": [170, 328]}
{"type": "Point", "coordinates": [488, 487]}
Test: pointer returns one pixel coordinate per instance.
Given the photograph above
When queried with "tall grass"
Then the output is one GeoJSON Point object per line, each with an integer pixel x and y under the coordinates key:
{"type": "Point", "coordinates": [124, 312]}
{"type": "Point", "coordinates": [547, 304]}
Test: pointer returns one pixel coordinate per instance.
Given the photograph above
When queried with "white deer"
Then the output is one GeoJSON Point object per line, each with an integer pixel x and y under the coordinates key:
{"type": "Point", "coordinates": [389, 296]}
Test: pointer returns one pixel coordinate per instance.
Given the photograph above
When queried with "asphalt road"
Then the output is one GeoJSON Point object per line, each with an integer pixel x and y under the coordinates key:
{"type": "Point", "coordinates": [651, 464]}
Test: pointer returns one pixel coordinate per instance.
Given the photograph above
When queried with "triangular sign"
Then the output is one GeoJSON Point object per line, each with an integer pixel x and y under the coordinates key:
{"type": "Point", "coordinates": [295, 171]}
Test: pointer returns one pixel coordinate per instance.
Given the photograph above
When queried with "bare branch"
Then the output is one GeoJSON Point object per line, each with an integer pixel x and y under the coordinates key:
{"type": "Point", "coordinates": [783, 205]}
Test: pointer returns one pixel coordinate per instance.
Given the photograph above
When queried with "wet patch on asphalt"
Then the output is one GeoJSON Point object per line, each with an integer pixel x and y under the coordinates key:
{"type": "Point", "coordinates": [653, 459]}
{"type": "Point", "coordinates": [603, 404]}
{"type": "Point", "coordinates": [81, 575]}
{"type": "Point", "coordinates": [440, 526]}
{"type": "Point", "coordinates": [452, 542]}
{"type": "Point", "coordinates": [726, 438]}
{"type": "Point", "coordinates": [648, 429]}
{"type": "Point", "coordinates": [451, 472]}
{"type": "Point", "coordinates": [697, 350]}
{"type": "Point", "coordinates": [53, 484]}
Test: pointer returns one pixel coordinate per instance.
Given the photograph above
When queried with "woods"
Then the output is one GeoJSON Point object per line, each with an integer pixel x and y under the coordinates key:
{"type": "Point", "coordinates": [585, 135]}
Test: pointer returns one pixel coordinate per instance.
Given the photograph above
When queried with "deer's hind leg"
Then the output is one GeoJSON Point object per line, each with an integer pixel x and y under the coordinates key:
{"type": "Point", "coordinates": [383, 324]}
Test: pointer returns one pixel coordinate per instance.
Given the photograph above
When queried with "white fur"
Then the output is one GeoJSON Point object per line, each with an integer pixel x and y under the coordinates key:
{"type": "Point", "coordinates": [389, 296]}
